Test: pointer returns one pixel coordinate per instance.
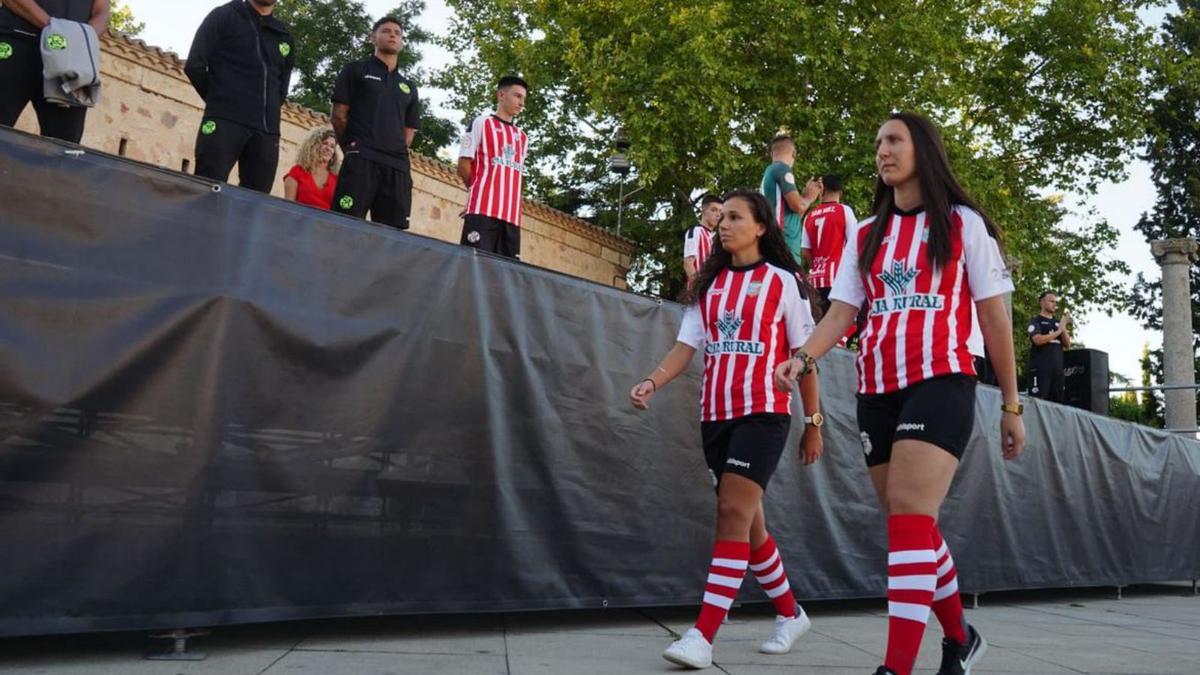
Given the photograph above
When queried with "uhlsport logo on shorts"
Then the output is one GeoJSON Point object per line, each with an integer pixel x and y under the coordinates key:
{"type": "Point", "coordinates": [346, 202]}
{"type": "Point", "coordinates": [56, 41]}
{"type": "Point", "coordinates": [284, 49]}
{"type": "Point", "coordinates": [866, 442]}
{"type": "Point", "coordinates": [405, 88]}
{"type": "Point", "coordinates": [473, 237]}
{"type": "Point", "coordinates": [5, 50]}
{"type": "Point", "coordinates": [208, 127]}
{"type": "Point", "coordinates": [738, 463]}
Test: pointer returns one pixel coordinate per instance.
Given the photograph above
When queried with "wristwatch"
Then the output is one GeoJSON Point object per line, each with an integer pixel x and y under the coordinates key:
{"type": "Point", "coordinates": [816, 419]}
{"type": "Point", "coordinates": [1014, 408]}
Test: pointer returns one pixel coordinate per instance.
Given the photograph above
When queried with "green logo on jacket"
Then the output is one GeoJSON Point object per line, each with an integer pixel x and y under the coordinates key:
{"type": "Point", "coordinates": [56, 41]}
{"type": "Point", "coordinates": [208, 127]}
{"type": "Point", "coordinates": [405, 88]}
{"type": "Point", "coordinates": [5, 50]}
{"type": "Point", "coordinates": [346, 202]}
{"type": "Point", "coordinates": [284, 49]}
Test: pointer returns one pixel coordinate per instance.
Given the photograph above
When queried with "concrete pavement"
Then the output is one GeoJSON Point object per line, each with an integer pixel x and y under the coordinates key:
{"type": "Point", "coordinates": [1152, 630]}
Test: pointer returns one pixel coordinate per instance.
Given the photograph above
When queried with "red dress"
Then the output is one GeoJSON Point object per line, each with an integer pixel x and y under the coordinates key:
{"type": "Point", "coordinates": [307, 190]}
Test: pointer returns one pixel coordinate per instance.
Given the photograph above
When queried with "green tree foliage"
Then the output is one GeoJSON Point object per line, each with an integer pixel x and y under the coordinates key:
{"type": "Point", "coordinates": [1033, 96]}
{"type": "Point", "coordinates": [331, 33]}
{"type": "Point", "coordinates": [1173, 150]}
{"type": "Point", "coordinates": [121, 19]}
{"type": "Point", "coordinates": [1142, 407]}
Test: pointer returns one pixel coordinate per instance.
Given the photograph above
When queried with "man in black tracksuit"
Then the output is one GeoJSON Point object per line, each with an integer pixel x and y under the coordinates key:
{"type": "Point", "coordinates": [21, 79]}
{"type": "Point", "coordinates": [241, 64]}
{"type": "Point", "coordinates": [1048, 337]}
{"type": "Point", "coordinates": [376, 112]}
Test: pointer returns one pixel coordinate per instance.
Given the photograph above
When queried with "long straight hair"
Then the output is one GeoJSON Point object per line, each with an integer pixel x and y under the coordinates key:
{"type": "Point", "coordinates": [771, 245]}
{"type": "Point", "coordinates": [940, 192]}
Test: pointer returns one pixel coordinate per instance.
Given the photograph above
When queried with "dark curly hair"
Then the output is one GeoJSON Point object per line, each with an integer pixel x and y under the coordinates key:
{"type": "Point", "coordinates": [772, 246]}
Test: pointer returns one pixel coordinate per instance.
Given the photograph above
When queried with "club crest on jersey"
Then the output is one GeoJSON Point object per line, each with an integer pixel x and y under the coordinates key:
{"type": "Point", "coordinates": [898, 280]}
{"type": "Point", "coordinates": [728, 325]}
{"type": "Point", "coordinates": [753, 290]}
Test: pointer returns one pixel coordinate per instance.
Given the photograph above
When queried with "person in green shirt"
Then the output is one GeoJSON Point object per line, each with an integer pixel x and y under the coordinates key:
{"type": "Point", "coordinates": [779, 187]}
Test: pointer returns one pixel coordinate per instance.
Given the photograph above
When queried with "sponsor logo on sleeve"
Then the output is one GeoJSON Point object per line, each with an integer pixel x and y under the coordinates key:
{"type": "Point", "coordinates": [405, 88]}
{"type": "Point", "coordinates": [346, 202]}
{"type": "Point", "coordinates": [6, 51]}
{"type": "Point", "coordinates": [284, 49]}
{"type": "Point", "coordinates": [208, 128]}
{"type": "Point", "coordinates": [56, 41]}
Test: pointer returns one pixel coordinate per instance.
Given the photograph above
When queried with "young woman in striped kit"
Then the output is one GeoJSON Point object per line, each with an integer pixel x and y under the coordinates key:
{"type": "Point", "coordinates": [919, 265]}
{"type": "Point", "coordinates": [747, 310]}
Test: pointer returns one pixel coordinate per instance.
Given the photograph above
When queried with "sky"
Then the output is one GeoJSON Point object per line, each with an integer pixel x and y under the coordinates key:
{"type": "Point", "coordinates": [171, 24]}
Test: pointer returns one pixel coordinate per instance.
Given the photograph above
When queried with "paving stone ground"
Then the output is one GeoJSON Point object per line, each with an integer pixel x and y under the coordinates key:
{"type": "Point", "coordinates": [1150, 630]}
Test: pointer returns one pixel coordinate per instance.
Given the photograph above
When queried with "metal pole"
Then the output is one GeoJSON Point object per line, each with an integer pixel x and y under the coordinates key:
{"type": "Point", "coordinates": [1165, 387]}
{"type": "Point", "coordinates": [620, 204]}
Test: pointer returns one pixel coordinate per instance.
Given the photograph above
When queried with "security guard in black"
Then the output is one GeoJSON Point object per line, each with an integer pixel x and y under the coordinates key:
{"type": "Point", "coordinates": [1048, 336]}
{"type": "Point", "coordinates": [384, 106]}
{"type": "Point", "coordinates": [241, 65]}
{"type": "Point", "coordinates": [21, 79]}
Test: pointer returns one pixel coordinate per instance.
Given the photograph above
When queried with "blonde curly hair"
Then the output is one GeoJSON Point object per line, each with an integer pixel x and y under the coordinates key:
{"type": "Point", "coordinates": [309, 154]}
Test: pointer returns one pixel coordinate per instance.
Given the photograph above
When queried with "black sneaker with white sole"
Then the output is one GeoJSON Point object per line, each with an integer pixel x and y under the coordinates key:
{"type": "Point", "coordinates": [957, 659]}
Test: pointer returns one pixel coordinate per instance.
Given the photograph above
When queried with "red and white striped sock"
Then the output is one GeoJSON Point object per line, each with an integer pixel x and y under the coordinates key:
{"type": "Point", "coordinates": [768, 570]}
{"type": "Point", "coordinates": [947, 603]}
{"type": "Point", "coordinates": [912, 578]}
{"type": "Point", "coordinates": [724, 579]}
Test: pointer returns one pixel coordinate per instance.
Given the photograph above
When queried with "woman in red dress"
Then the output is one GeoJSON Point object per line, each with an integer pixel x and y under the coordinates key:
{"type": "Point", "coordinates": [313, 179]}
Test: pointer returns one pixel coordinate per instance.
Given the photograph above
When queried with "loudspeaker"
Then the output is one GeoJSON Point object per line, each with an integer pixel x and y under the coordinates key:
{"type": "Point", "coordinates": [1085, 372]}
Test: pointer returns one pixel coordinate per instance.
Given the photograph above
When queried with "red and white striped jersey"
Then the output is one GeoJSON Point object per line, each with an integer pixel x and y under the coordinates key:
{"type": "Point", "coordinates": [497, 149]}
{"type": "Point", "coordinates": [697, 243]}
{"type": "Point", "coordinates": [826, 230]}
{"type": "Point", "coordinates": [919, 317]}
{"type": "Point", "coordinates": [746, 324]}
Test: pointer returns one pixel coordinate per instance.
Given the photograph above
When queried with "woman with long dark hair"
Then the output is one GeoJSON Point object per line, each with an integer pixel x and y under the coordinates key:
{"type": "Point", "coordinates": [747, 312]}
{"type": "Point", "coordinates": [922, 261]}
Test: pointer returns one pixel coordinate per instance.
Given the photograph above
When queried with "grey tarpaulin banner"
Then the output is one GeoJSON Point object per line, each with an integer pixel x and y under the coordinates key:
{"type": "Point", "coordinates": [218, 407]}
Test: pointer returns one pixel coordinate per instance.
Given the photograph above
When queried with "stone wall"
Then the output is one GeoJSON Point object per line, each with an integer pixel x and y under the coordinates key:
{"type": "Point", "coordinates": [150, 113]}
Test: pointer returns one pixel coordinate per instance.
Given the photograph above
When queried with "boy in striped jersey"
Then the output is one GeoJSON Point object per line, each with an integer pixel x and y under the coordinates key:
{"type": "Point", "coordinates": [698, 242]}
{"type": "Point", "coordinates": [491, 162]}
{"type": "Point", "coordinates": [920, 264]}
{"type": "Point", "coordinates": [746, 312]}
{"type": "Point", "coordinates": [827, 228]}
{"type": "Point", "coordinates": [779, 187]}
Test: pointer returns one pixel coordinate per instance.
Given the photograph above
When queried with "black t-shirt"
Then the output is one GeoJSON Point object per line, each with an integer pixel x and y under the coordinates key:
{"type": "Point", "coordinates": [75, 10]}
{"type": "Point", "coordinates": [382, 104]}
{"type": "Point", "coordinates": [1047, 353]}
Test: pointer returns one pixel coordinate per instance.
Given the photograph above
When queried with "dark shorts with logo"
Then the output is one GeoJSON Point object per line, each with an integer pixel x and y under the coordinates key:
{"type": "Point", "coordinates": [22, 83]}
{"type": "Point", "coordinates": [749, 446]}
{"type": "Point", "coordinates": [492, 235]}
{"type": "Point", "coordinates": [940, 411]}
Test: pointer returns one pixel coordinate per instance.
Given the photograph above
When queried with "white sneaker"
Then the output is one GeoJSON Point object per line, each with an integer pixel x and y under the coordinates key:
{"type": "Point", "coordinates": [787, 631]}
{"type": "Point", "coordinates": [690, 651]}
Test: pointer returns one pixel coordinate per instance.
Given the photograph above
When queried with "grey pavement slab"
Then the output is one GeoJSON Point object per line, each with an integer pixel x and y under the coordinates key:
{"type": "Point", "coordinates": [1152, 630]}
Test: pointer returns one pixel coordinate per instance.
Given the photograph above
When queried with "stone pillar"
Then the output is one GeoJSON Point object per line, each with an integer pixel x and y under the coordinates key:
{"type": "Point", "coordinates": [1176, 256]}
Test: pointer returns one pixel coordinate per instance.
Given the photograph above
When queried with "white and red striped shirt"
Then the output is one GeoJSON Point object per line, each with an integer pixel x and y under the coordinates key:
{"type": "Point", "coordinates": [826, 230]}
{"type": "Point", "coordinates": [697, 243]}
{"type": "Point", "coordinates": [497, 149]}
{"type": "Point", "coordinates": [919, 317]}
{"type": "Point", "coordinates": [746, 324]}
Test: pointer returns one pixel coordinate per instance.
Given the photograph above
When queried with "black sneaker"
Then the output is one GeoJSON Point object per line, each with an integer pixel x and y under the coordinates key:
{"type": "Point", "coordinates": [884, 670]}
{"type": "Point", "coordinates": [957, 659]}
